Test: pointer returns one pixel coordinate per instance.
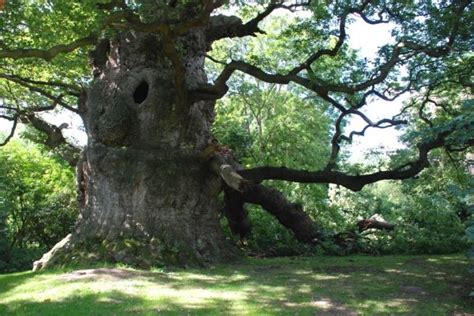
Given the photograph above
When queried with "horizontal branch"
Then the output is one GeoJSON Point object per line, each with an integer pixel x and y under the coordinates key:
{"type": "Point", "coordinates": [48, 54]}
{"type": "Point", "coordinates": [403, 48]}
{"type": "Point", "coordinates": [71, 89]}
{"type": "Point", "coordinates": [222, 26]}
{"type": "Point", "coordinates": [57, 100]}
{"type": "Point", "coordinates": [219, 89]}
{"type": "Point", "coordinates": [352, 182]}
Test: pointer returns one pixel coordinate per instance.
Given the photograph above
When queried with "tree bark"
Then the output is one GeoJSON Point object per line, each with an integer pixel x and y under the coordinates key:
{"type": "Point", "coordinates": [142, 185]}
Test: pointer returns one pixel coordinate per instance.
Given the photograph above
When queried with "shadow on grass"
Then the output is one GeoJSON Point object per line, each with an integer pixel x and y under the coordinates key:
{"type": "Point", "coordinates": [433, 285]}
{"type": "Point", "coordinates": [113, 303]}
{"type": "Point", "coordinates": [9, 281]}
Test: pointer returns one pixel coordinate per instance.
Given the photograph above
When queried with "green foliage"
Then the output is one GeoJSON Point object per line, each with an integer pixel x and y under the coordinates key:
{"type": "Point", "coordinates": [42, 25]}
{"type": "Point", "coordinates": [430, 212]}
{"type": "Point", "coordinates": [268, 125]}
{"type": "Point", "coordinates": [37, 203]}
{"type": "Point", "coordinates": [270, 238]}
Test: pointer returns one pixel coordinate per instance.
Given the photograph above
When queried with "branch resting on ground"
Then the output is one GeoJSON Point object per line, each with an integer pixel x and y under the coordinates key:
{"type": "Point", "coordinates": [239, 191]}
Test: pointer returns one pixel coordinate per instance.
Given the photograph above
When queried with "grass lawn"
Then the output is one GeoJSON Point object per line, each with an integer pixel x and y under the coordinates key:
{"type": "Point", "coordinates": [414, 285]}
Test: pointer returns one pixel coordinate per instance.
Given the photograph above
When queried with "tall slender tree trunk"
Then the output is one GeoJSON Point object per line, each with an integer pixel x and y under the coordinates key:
{"type": "Point", "coordinates": [145, 195]}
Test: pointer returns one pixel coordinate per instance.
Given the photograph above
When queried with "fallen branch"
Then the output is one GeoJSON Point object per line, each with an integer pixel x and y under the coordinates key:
{"type": "Point", "coordinates": [374, 222]}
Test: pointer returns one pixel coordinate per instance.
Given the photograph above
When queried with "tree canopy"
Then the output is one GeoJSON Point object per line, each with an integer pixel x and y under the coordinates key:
{"type": "Point", "coordinates": [45, 51]}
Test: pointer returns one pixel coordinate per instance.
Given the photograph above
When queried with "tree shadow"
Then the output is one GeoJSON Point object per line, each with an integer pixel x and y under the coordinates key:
{"type": "Point", "coordinates": [333, 286]}
{"type": "Point", "coordinates": [9, 281]}
{"type": "Point", "coordinates": [115, 303]}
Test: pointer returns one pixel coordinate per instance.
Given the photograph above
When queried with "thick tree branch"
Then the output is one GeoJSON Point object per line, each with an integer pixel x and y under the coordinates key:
{"type": "Point", "coordinates": [239, 191]}
{"type": "Point", "coordinates": [54, 135]}
{"type": "Point", "coordinates": [236, 214]}
{"type": "Point", "coordinates": [69, 88]}
{"type": "Point", "coordinates": [54, 138]}
{"type": "Point", "coordinates": [219, 88]}
{"type": "Point", "coordinates": [112, 5]}
{"type": "Point", "coordinates": [290, 215]}
{"type": "Point", "coordinates": [322, 89]}
{"type": "Point", "coordinates": [56, 99]}
{"type": "Point", "coordinates": [225, 167]}
{"type": "Point", "coordinates": [48, 54]}
{"type": "Point", "coordinates": [352, 182]}
{"type": "Point", "coordinates": [222, 26]}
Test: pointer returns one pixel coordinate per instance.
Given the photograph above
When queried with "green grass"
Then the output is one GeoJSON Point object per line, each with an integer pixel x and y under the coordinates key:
{"type": "Point", "coordinates": [413, 285]}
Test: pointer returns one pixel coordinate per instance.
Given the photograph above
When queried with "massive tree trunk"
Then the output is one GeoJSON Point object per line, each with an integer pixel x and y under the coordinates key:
{"type": "Point", "coordinates": [143, 188]}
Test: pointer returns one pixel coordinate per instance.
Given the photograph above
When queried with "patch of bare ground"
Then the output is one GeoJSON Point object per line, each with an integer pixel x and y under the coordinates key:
{"type": "Point", "coordinates": [329, 307]}
{"type": "Point", "coordinates": [347, 269]}
{"type": "Point", "coordinates": [411, 290]}
{"type": "Point", "coordinates": [101, 273]}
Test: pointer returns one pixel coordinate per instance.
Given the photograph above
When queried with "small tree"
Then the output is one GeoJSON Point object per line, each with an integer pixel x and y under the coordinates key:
{"type": "Point", "coordinates": [151, 172]}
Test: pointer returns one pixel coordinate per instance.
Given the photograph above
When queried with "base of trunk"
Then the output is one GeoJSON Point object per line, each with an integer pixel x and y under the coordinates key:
{"type": "Point", "coordinates": [138, 252]}
{"type": "Point", "coordinates": [144, 207]}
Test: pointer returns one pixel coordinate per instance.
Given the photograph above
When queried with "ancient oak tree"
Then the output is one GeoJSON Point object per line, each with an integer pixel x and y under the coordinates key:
{"type": "Point", "coordinates": [134, 71]}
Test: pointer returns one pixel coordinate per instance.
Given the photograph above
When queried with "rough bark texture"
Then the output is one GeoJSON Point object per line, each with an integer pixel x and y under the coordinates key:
{"type": "Point", "coordinates": [142, 185]}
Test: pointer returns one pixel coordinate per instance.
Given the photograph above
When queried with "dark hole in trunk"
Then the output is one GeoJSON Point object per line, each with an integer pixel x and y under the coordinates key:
{"type": "Point", "coordinates": [141, 92]}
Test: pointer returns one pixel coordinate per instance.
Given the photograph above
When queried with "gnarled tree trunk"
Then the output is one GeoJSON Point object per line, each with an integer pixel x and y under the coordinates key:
{"type": "Point", "coordinates": [143, 187]}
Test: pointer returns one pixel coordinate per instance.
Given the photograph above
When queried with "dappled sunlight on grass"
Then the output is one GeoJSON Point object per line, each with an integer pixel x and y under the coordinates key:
{"type": "Point", "coordinates": [333, 285]}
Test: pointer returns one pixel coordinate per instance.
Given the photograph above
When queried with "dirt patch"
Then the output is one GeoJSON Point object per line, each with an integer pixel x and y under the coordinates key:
{"type": "Point", "coordinates": [328, 307]}
{"type": "Point", "coordinates": [413, 290]}
{"type": "Point", "coordinates": [101, 273]}
{"type": "Point", "coordinates": [267, 268]}
{"type": "Point", "coordinates": [415, 262]}
{"type": "Point", "coordinates": [346, 269]}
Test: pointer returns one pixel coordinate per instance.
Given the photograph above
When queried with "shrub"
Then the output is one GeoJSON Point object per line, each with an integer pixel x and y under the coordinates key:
{"type": "Point", "coordinates": [37, 203]}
